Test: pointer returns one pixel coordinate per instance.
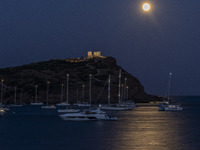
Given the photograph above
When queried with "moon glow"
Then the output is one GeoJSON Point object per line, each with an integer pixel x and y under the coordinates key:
{"type": "Point", "coordinates": [146, 6]}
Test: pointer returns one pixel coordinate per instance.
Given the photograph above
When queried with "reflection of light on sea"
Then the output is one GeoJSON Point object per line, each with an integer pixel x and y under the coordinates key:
{"type": "Point", "coordinates": [147, 128]}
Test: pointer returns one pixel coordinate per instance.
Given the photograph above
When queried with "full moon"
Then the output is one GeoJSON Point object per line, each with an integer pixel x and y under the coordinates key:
{"type": "Point", "coordinates": [146, 6]}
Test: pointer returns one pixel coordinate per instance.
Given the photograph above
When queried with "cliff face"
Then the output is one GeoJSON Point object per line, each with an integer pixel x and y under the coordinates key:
{"type": "Point", "coordinates": [26, 77]}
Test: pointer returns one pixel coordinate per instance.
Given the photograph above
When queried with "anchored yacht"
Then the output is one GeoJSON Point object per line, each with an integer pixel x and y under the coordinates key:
{"type": "Point", "coordinates": [87, 115]}
{"type": "Point", "coordinates": [126, 105]}
{"type": "Point", "coordinates": [49, 107]}
{"type": "Point", "coordinates": [68, 110]}
{"type": "Point", "coordinates": [165, 105]}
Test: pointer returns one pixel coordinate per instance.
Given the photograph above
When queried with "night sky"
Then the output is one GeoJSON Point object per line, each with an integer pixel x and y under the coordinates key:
{"type": "Point", "coordinates": [147, 45]}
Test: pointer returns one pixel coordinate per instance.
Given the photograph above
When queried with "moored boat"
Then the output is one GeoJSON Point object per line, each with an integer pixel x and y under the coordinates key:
{"type": "Point", "coordinates": [87, 115]}
{"type": "Point", "coordinates": [62, 104]}
{"type": "Point", "coordinates": [49, 107]}
{"type": "Point", "coordinates": [84, 104]}
{"type": "Point", "coordinates": [36, 103]}
{"type": "Point", "coordinates": [68, 110]}
{"type": "Point", "coordinates": [165, 105]}
{"type": "Point", "coordinates": [115, 107]}
{"type": "Point", "coordinates": [125, 105]}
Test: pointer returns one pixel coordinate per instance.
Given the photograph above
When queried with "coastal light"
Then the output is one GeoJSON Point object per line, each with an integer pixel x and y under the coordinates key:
{"type": "Point", "coordinates": [146, 7]}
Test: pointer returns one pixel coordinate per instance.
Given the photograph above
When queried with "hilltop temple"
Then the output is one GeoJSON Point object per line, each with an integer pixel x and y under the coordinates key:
{"type": "Point", "coordinates": [95, 54]}
{"type": "Point", "coordinates": [91, 55]}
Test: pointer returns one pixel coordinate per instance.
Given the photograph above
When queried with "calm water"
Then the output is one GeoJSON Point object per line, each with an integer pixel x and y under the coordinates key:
{"type": "Point", "coordinates": [30, 128]}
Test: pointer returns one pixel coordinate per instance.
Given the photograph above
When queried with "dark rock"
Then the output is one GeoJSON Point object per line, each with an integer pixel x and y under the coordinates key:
{"type": "Point", "coordinates": [27, 76]}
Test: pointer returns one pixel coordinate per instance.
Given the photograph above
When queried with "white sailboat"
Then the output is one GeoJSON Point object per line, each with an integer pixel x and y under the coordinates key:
{"type": "Point", "coordinates": [15, 99]}
{"type": "Point", "coordinates": [128, 103]}
{"type": "Point", "coordinates": [165, 105]}
{"type": "Point", "coordinates": [67, 109]}
{"type": "Point", "coordinates": [119, 106]}
{"type": "Point", "coordinates": [61, 98]}
{"type": "Point", "coordinates": [77, 99]}
{"type": "Point", "coordinates": [88, 114]}
{"type": "Point", "coordinates": [36, 102]}
{"type": "Point", "coordinates": [47, 106]}
{"type": "Point", "coordinates": [83, 104]}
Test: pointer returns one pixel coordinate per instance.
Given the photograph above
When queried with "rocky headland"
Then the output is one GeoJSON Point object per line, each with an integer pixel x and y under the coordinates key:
{"type": "Point", "coordinates": [26, 77]}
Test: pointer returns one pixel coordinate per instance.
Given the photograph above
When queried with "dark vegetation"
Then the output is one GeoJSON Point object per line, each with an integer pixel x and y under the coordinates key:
{"type": "Point", "coordinates": [26, 77]}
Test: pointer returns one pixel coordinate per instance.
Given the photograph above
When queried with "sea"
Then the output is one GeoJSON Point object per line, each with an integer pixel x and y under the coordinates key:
{"type": "Point", "coordinates": [144, 128]}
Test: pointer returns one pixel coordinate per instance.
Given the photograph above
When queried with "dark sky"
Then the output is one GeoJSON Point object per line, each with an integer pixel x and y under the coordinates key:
{"type": "Point", "coordinates": [147, 45]}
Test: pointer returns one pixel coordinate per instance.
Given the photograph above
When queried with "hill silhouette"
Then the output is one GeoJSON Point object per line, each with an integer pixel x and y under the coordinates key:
{"type": "Point", "coordinates": [26, 77]}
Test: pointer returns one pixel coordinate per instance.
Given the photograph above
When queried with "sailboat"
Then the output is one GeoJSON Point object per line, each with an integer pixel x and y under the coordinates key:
{"type": "Point", "coordinates": [61, 98]}
{"type": "Point", "coordinates": [165, 105]}
{"type": "Point", "coordinates": [36, 102]}
{"type": "Point", "coordinates": [86, 104]}
{"type": "Point", "coordinates": [88, 114]}
{"type": "Point", "coordinates": [67, 110]}
{"type": "Point", "coordinates": [47, 106]}
{"type": "Point", "coordinates": [125, 102]}
{"type": "Point", "coordinates": [15, 99]}
{"type": "Point", "coordinates": [119, 105]}
{"type": "Point", "coordinates": [77, 99]}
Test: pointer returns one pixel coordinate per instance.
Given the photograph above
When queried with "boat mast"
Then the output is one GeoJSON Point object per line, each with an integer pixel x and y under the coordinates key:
{"type": "Point", "coordinates": [21, 97]}
{"type": "Point", "coordinates": [47, 92]}
{"type": "Point", "coordinates": [170, 74]}
{"type": "Point", "coordinates": [35, 93]}
{"type": "Point", "coordinates": [83, 91]}
{"type": "Point", "coordinates": [15, 101]}
{"type": "Point", "coordinates": [127, 92]}
{"type": "Point", "coordinates": [77, 95]}
{"type": "Point", "coordinates": [119, 86]}
{"type": "Point", "coordinates": [109, 90]}
{"type": "Point", "coordinates": [67, 100]}
{"type": "Point", "coordinates": [90, 90]}
{"type": "Point", "coordinates": [125, 88]}
{"type": "Point", "coordinates": [61, 97]}
{"type": "Point", "coordinates": [2, 80]}
{"type": "Point", "coordinates": [122, 91]}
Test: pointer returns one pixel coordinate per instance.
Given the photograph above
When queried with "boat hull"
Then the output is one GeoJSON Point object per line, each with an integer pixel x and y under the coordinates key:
{"type": "Point", "coordinates": [115, 108]}
{"type": "Point", "coordinates": [87, 115]}
{"type": "Point", "coordinates": [170, 108]}
{"type": "Point", "coordinates": [68, 110]}
{"type": "Point", "coordinates": [16, 105]}
{"type": "Point", "coordinates": [48, 107]}
{"type": "Point", "coordinates": [63, 104]}
{"type": "Point", "coordinates": [36, 103]}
